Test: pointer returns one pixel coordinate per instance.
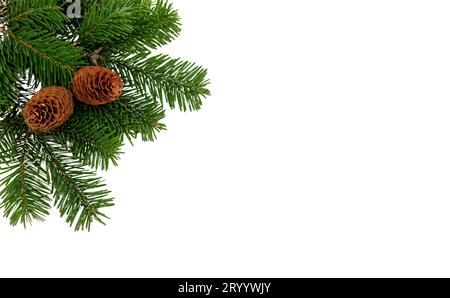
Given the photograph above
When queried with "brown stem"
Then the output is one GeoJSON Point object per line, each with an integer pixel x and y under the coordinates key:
{"type": "Point", "coordinates": [95, 57]}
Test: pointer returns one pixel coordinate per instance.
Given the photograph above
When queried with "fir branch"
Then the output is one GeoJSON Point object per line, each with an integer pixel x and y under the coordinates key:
{"type": "Point", "coordinates": [156, 23]}
{"type": "Point", "coordinates": [9, 87]}
{"type": "Point", "coordinates": [95, 134]}
{"type": "Point", "coordinates": [79, 194]}
{"type": "Point", "coordinates": [91, 151]}
{"type": "Point", "coordinates": [134, 115]}
{"type": "Point", "coordinates": [107, 21]}
{"type": "Point", "coordinates": [176, 82]}
{"type": "Point", "coordinates": [48, 18]}
{"type": "Point", "coordinates": [19, 7]}
{"type": "Point", "coordinates": [25, 193]}
{"type": "Point", "coordinates": [40, 46]}
{"type": "Point", "coordinates": [90, 139]}
{"type": "Point", "coordinates": [51, 60]}
{"type": "Point", "coordinates": [9, 126]}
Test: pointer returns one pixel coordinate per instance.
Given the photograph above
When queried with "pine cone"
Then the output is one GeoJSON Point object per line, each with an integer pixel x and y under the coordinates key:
{"type": "Point", "coordinates": [95, 85]}
{"type": "Point", "coordinates": [48, 109]}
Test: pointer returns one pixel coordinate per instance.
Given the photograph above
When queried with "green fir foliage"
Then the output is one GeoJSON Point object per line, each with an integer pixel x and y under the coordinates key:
{"type": "Point", "coordinates": [41, 46]}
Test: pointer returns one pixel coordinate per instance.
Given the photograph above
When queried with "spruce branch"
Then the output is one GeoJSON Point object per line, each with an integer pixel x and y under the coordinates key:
{"type": "Point", "coordinates": [9, 82]}
{"type": "Point", "coordinates": [48, 18]}
{"type": "Point", "coordinates": [136, 115]}
{"type": "Point", "coordinates": [156, 24]}
{"type": "Point", "coordinates": [51, 60]}
{"type": "Point", "coordinates": [107, 21]}
{"type": "Point", "coordinates": [25, 191]}
{"type": "Point", "coordinates": [30, 42]}
{"type": "Point", "coordinates": [40, 47]}
{"type": "Point", "coordinates": [95, 134]}
{"type": "Point", "coordinates": [9, 127]}
{"type": "Point", "coordinates": [79, 195]}
{"type": "Point", "coordinates": [19, 7]}
{"type": "Point", "coordinates": [91, 139]}
{"type": "Point", "coordinates": [171, 81]}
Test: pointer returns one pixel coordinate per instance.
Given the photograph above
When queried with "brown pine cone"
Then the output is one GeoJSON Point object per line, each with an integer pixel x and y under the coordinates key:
{"type": "Point", "coordinates": [48, 109]}
{"type": "Point", "coordinates": [95, 85]}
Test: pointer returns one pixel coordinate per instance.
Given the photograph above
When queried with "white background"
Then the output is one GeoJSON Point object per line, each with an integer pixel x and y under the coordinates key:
{"type": "Point", "coordinates": [323, 152]}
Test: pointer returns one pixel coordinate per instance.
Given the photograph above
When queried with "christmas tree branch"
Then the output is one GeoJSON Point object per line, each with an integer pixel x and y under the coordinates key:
{"type": "Point", "coordinates": [9, 125]}
{"type": "Point", "coordinates": [137, 115]}
{"type": "Point", "coordinates": [79, 195]}
{"type": "Point", "coordinates": [30, 42]}
{"type": "Point", "coordinates": [156, 24]}
{"type": "Point", "coordinates": [51, 60]}
{"type": "Point", "coordinates": [93, 149]}
{"type": "Point", "coordinates": [49, 18]}
{"type": "Point", "coordinates": [49, 141]}
{"type": "Point", "coordinates": [9, 91]}
{"type": "Point", "coordinates": [92, 140]}
{"type": "Point", "coordinates": [105, 23]}
{"type": "Point", "coordinates": [25, 193]}
{"type": "Point", "coordinates": [176, 82]}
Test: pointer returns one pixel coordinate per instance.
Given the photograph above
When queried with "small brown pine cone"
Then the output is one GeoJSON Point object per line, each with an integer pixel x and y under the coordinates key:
{"type": "Point", "coordinates": [48, 109]}
{"type": "Point", "coordinates": [95, 85]}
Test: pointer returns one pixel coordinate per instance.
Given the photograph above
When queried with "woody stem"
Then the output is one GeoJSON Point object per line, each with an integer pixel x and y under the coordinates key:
{"type": "Point", "coordinates": [95, 56]}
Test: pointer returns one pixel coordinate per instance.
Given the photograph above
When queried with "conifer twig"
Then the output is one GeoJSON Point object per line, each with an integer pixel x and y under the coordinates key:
{"type": "Point", "coordinates": [95, 56]}
{"type": "Point", "coordinates": [41, 47]}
